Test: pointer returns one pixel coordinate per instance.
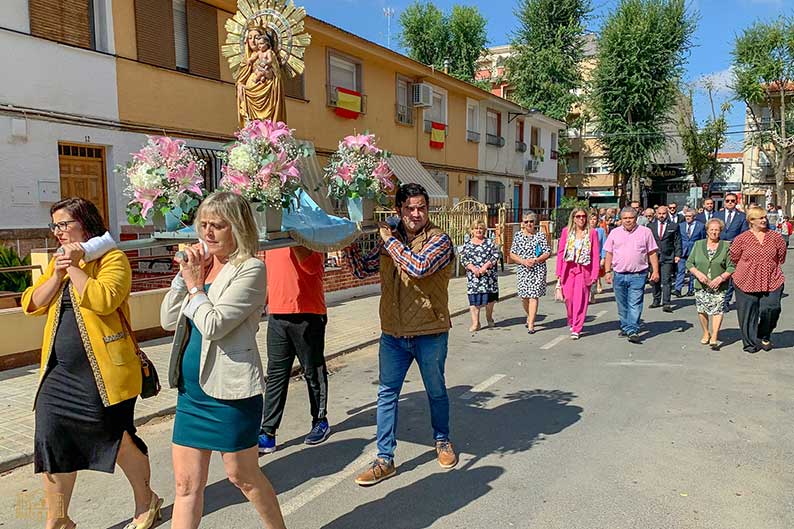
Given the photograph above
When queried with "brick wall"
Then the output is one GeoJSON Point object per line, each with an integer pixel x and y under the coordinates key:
{"type": "Point", "coordinates": [25, 239]}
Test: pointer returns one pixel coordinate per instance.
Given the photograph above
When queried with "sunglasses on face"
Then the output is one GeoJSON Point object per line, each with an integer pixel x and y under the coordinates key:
{"type": "Point", "coordinates": [528, 222]}
{"type": "Point", "coordinates": [580, 216]}
{"type": "Point", "coordinates": [730, 200]}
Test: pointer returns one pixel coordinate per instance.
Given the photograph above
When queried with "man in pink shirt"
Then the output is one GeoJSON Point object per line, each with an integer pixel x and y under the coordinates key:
{"type": "Point", "coordinates": [630, 248]}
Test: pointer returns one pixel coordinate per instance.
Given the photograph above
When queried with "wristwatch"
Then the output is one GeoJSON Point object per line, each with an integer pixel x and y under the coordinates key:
{"type": "Point", "coordinates": [193, 290]}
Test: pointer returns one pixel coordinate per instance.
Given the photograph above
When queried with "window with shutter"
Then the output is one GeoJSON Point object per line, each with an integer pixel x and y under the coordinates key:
{"type": "Point", "coordinates": [67, 21]}
{"type": "Point", "coordinates": [202, 39]}
{"type": "Point", "coordinates": [154, 31]}
{"type": "Point", "coordinates": [181, 53]}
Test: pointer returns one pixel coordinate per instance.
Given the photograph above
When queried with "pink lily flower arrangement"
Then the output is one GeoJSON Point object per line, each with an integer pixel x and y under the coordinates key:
{"type": "Point", "coordinates": [262, 164]}
{"type": "Point", "coordinates": [164, 176]}
{"type": "Point", "coordinates": [358, 169]}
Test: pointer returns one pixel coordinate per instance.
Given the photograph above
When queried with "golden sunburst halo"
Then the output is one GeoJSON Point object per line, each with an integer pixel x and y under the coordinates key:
{"type": "Point", "coordinates": [284, 22]}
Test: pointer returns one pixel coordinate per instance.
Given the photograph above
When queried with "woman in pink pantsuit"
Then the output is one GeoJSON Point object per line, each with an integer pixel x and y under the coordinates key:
{"type": "Point", "coordinates": [577, 267]}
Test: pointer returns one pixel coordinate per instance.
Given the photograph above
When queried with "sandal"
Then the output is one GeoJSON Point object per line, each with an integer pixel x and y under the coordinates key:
{"type": "Point", "coordinates": [715, 346]}
{"type": "Point", "coordinates": [706, 340]}
{"type": "Point", "coordinates": [474, 328]}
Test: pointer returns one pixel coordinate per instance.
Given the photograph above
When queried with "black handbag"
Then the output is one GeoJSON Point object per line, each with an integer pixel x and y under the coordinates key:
{"type": "Point", "coordinates": [150, 381]}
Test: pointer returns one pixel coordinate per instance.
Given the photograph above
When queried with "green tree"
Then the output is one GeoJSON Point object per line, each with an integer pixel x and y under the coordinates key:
{"type": "Point", "coordinates": [702, 144]}
{"type": "Point", "coordinates": [467, 40]}
{"type": "Point", "coordinates": [548, 49]}
{"type": "Point", "coordinates": [433, 38]}
{"type": "Point", "coordinates": [641, 56]}
{"type": "Point", "coordinates": [763, 66]}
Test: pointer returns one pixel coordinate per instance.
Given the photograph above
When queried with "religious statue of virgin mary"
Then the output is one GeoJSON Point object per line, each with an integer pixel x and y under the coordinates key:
{"type": "Point", "coordinates": [265, 44]}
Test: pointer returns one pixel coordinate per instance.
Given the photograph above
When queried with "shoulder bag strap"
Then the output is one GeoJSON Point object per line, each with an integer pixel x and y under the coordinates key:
{"type": "Point", "coordinates": [128, 328]}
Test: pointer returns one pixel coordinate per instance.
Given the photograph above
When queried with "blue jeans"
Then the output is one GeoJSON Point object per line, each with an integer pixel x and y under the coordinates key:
{"type": "Point", "coordinates": [629, 292]}
{"type": "Point", "coordinates": [679, 278]}
{"type": "Point", "coordinates": [395, 356]}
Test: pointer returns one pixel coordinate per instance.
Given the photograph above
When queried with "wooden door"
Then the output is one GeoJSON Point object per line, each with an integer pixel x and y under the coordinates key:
{"type": "Point", "coordinates": [82, 170]}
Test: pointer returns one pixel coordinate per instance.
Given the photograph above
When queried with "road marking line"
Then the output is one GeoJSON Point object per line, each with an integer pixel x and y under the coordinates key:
{"type": "Point", "coordinates": [554, 342]}
{"type": "Point", "coordinates": [326, 484]}
{"type": "Point", "coordinates": [643, 363]}
{"type": "Point", "coordinates": [329, 482]}
{"type": "Point", "coordinates": [603, 312]}
{"type": "Point", "coordinates": [482, 386]}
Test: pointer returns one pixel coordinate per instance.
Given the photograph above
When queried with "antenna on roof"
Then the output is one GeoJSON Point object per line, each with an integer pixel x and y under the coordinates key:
{"type": "Point", "coordinates": [388, 12]}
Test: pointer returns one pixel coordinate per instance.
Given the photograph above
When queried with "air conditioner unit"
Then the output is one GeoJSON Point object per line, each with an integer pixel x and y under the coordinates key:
{"type": "Point", "coordinates": [532, 166]}
{"type": "Point", "coordinates": [422, 95]}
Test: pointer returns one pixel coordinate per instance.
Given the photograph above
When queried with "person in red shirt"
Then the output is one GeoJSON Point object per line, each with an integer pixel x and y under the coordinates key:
{"type": "Point", "coordinates": [295, 328]}
{"type": "Point", "coordinates": [758, 254]}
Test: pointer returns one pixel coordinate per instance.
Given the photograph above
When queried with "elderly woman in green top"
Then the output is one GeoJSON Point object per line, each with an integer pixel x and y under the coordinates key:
{"type": "Point", "coordinates": [710, 264]}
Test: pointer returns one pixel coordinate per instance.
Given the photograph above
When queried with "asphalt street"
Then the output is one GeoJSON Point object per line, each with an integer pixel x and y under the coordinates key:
{"type": "Point", "coordinates": [552, 434]}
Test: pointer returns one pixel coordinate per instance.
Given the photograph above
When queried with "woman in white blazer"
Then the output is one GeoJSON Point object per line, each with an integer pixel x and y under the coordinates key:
{"type": "Point", "coordinates": [214, 306]}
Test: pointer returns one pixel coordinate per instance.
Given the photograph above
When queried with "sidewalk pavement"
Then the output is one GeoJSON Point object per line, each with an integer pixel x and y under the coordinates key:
{"type": "Point", "coordinates": [345, 333]}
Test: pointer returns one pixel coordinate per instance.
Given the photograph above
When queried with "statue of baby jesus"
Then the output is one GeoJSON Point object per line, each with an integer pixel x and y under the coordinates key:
{"type": "Point", "coordinates": [265, 60]}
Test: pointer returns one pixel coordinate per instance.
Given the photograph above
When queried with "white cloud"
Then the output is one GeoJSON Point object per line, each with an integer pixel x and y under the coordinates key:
{"type": "Point", "coordinates": [720, 81]}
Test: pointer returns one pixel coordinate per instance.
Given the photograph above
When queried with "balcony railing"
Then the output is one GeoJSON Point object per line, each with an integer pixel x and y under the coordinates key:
{"type": "Point", "coordinates": [521, 146]}
{"type": "Point", "coordinates": [405, 115]}
{"type": "Point", "coordinates": [332, 98]}
{"type": "Point", "coordinates": [472, 136]}
{"type": "Point", "coordinates": [493, 139]}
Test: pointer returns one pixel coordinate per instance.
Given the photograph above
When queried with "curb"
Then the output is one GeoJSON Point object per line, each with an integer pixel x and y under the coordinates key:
{"type": "Point", "coordinates": [24, 459]}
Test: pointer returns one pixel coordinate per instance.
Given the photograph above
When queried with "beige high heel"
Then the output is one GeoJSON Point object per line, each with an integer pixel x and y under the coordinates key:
{"type": "Point", "coordinates": [152, 515]}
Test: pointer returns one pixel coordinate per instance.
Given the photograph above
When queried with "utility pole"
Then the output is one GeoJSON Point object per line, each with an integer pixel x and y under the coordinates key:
{"type": "Point", "coordinates": [388, 12]}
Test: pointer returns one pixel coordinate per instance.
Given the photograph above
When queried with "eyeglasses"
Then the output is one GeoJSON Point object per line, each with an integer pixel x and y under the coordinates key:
{"type": "Point", "coordinates": [528, 221]}
{"type": "Point", "coordinates": [580, 216]}
{"type": "Point", "coordinates": [730, 200]}
{"type": "Point", "coordinates": [62, 226]}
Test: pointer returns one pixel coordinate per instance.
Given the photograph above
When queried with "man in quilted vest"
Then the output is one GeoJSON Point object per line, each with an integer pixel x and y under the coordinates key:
{"type": "Point", "coordinates": [413, 260]}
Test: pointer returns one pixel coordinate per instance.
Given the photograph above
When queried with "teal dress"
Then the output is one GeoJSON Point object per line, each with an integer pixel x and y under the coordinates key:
{"type": "Point", "coordinates": [208, 423]}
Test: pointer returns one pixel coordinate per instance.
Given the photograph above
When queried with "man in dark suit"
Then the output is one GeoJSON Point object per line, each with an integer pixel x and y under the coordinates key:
{"type": "Point", "coordinates": [735, 224]}
{"type": "Point", "coordinates": [708, 212]}
{"type": "Point", "coordinates": [672, 208]}
{"type": "Point", "coordinates": [690, 232]}
{"type": "Point", "coordinates": [668, 240]}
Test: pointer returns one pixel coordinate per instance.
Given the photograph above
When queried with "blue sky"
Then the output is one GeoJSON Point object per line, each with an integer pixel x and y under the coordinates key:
{"type": "Point", "coordinates": [719, 22]}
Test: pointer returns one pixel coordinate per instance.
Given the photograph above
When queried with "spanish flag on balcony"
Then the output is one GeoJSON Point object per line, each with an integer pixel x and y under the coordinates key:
{"type": "Point", "coordinates": [438, 135]}
{"type": "Point", "coordinates": [348, 103]}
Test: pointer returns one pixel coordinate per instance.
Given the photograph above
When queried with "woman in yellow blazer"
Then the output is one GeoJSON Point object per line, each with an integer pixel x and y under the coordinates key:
{"type": "Point", "coordinates": [90, 375]}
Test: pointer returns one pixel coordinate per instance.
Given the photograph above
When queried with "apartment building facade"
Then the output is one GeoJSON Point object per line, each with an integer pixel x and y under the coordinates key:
{"type": "Point", "coordinates": [758, 182]}
{"type": "Point", "coordinates": [89, 79]}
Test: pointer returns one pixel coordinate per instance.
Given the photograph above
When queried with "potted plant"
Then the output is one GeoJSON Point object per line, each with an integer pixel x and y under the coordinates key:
{"type": "Point", "coordinates": [164, 179]}
{"type": "Point", "coordinates": [262, 166]}
{"type": "Point", "coordinates": [358, 172]}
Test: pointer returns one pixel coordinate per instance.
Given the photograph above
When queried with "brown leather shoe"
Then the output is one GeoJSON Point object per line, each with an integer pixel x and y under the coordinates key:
{"type": "Point", "coordinates": [379, 470]}
{"type": "Point", "coordinates": [446, 454]}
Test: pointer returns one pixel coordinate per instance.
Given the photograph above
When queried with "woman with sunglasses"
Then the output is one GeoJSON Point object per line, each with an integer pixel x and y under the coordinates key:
{"type": "Point", "coordinates": [578, 258]}
{"type": "Point", "coordinates": [529, 251]}
{"type": "Point", "coordinates": [90, 373]}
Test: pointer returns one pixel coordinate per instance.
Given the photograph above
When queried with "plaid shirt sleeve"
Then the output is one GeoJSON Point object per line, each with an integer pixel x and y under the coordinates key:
{"type": "Point", "coordinates": [436, 254]}
{"type": "Point", "coordinates": [364, 265]}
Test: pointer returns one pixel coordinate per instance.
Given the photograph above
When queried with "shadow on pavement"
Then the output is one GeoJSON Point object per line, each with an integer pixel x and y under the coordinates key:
{"type": "Point", "coordinates": [522, 420]}
{"type": "Point", "coordinates": [512, 427]}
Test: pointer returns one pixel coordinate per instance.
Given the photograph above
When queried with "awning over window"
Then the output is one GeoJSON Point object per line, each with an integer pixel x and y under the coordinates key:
{"type": "Point", "coordinates": [408, 170]}
{"type": "Point", "coordinates": [312, 178]}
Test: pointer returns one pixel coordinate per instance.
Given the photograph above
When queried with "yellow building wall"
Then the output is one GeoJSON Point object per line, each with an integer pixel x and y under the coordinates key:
{"type": "Point", "coordinates": [124, 29]}
{"type": "Point", "coordinates": [164, 98]}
